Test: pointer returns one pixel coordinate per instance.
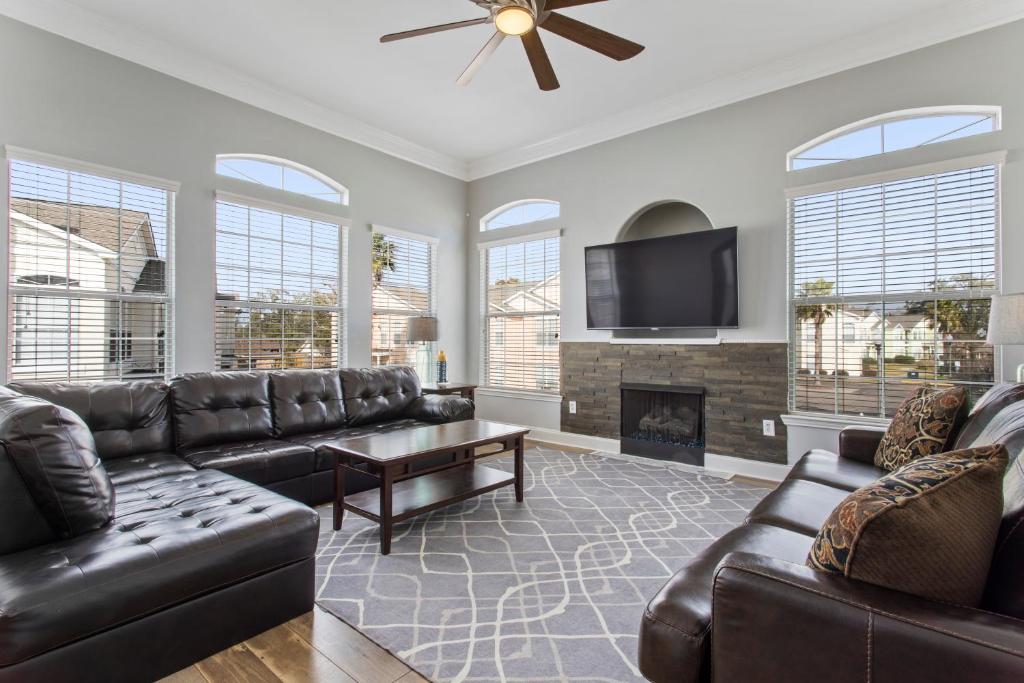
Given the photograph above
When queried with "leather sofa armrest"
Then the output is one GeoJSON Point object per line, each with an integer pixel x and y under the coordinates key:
{"type": "Point", "coordinates": [860, 443]}
{"type": "Point", "coordinates": [441, 409]}
{"type": "Point", "coordinates": [775, 621]}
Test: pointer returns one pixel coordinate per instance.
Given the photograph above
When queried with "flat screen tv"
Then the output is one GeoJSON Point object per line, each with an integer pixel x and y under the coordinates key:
{"type": "Point", "coordinates": [667, 282]}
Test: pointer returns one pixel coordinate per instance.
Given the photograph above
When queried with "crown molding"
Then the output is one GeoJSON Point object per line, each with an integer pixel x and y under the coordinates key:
{"type": "Point", "coordinates": [91, 29]}
{"type": "Point", "coordinates": [958, 19]}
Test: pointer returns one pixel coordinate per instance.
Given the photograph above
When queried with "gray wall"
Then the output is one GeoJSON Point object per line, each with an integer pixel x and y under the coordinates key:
{"type": "Point", "coordinates": [63, 98]}
{"type": "Point", "coordinates": [730, 162]}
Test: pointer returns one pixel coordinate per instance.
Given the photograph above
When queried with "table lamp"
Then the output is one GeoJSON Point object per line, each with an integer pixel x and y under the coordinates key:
{"type": "Point", "coordinates": [1006, 324]}
{"type": "Point", "coordinates": [422, 330]}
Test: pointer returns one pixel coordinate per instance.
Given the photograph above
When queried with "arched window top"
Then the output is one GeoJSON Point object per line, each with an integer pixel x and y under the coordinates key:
{"type": "Point", "coordinates": [521, 213]}
{"type": "Point", "coordinates": [895, 131]}
{"type": "Point", "coordinates": [281, 174]}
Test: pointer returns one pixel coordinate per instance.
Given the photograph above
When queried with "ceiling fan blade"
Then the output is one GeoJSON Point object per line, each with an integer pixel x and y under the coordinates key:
{"type": "Point", "coordinates": [539, 60]}
{"type": "Point", "coordinates": [586, 35]}
{"type": "Point", "coordinates": [391, 37]}
{"type": "Point", "coordinates": [481, 57]}
{"type": "Point", "coordinates": [562, 4]}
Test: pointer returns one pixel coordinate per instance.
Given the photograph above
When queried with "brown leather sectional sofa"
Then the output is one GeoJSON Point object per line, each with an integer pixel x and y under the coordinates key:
{"type": "Point", "coordinates": [210, 543]}
{"type": "Point", "coordinates": [747, 609]}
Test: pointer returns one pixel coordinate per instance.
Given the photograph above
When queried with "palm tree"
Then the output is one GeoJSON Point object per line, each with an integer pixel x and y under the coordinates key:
{"type": "Point", "coordinates": [385, 255]}
{"type": "Point", "coordinates": [952, 317]}
{"type": "Point", "coordinates": [816, 313]}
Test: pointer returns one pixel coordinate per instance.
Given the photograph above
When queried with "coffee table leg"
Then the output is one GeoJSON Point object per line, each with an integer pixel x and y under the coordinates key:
{"type": "Point", "coordinates": [339, 495]}
{"type": "Point", "coordinates": [386, 480]}
{"type": "Point", "coordinates": [519, 469]}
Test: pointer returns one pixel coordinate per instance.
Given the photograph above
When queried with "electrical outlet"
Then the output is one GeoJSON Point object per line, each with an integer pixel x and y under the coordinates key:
{"type": "Point", "coordinates": [572, 407]}
{"type": "Point", "coordinates": [769, 427]}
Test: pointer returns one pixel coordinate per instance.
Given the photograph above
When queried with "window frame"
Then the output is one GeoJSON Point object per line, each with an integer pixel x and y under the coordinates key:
{"type": "Point", "coordinates": [994, 159]}
{"type": "Point", "coordinates": [995, 112]}
{"type": "Point", "coordinates": [12, 292]}
{"type": "Point", "coordinates": [432, 267]}
{"type": "Point", "coordinates": [341, 309]}
{"type": "Point", "coordinates": [486, 316]}
{"type": "Point", "coordinates": [491, 215]}
{"type": "Point", "coordinates": [343, 192]}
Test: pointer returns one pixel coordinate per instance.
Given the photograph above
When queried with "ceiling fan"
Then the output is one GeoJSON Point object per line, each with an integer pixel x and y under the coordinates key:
{"type": "Point", "coordinates": [522, 18]}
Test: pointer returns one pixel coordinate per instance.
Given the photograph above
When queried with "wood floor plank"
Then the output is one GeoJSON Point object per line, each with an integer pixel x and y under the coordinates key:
{"type": "Point", "coordinates": [189, 675]}
{"type": "Point", "coordinates": [412, 677]}
{"type": "Point", "coordinates": [357, 655]}
{"type": "Point", "coordinates": [237, 664]}
{"type": "Point", "coordinates": [294, 660]}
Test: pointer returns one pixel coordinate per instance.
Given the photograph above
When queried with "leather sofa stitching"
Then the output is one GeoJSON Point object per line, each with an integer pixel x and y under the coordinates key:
{"type": "Point", "coordinates": [699, 636]}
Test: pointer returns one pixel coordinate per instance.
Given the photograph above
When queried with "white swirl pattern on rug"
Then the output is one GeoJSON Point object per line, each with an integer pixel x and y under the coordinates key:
{"type": "Point", "coordinates": [552, 589]}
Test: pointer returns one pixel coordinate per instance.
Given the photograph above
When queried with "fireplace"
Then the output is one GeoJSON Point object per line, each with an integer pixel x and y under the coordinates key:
{"type": "Point", "coordinates": [663, 422]}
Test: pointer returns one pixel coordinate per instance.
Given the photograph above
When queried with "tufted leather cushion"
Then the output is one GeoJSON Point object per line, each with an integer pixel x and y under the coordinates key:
{"type": "Point", "coordinates": [317, 441]}
{"type": "Point", "coordinates": [306, 401]}
{"type": "Point", "coordinates": [144, 466]}
{"type": "Point", "coordinates": [174, 538]}
{"type": "Point", "coordinates": [125, 418]}
{"type": "Point", "coordinates": [261, 462]}
{"type": "Point", "coordinates": [378, 394]}
{"type": "Point", "coordinates": [221, 407]}
{"type": "Point", "coordinates": [55, 455]}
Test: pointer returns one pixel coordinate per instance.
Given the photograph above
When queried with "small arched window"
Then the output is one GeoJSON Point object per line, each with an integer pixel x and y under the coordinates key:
{"type": "Point", "coordinates": [893, 132]}
{"type": "Point", "coordinates": [521, 213]}
{"type": "Point", "coordinates": [281, 174]}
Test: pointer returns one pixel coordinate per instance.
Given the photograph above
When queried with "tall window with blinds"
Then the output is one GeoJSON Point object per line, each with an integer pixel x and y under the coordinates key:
{"type": "Point", "coordinates": [890, 290]}
{"type": "Point", "coordinates": [403, 272]}
{"type": "Point", "coordinates": [89, 277]}
{"type": "Point", "coordinates": [522, 294]}
{"type": "Point", "coordinates": [279, 290]}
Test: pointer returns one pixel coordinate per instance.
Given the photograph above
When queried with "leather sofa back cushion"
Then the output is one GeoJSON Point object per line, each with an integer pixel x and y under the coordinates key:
{"type": "Point", "coordinates": [378, 394]}
{"type": "Point", "coordinates": [126, 418]}
{"type": "Point", "coordinates": [928, 529]}
{"type": "Point", "coordinates": [926, 423]}
{"type": "Point", "coordinates": [221, 407]}
{"type": "Point", "coordinates": [55, 455]}
{"type": "Point", "coordinates": [306, 401]}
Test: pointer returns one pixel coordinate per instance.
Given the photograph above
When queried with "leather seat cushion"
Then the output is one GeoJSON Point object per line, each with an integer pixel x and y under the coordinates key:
{"type": "Point", "coordinates": [174, 538]}
{"type": "Point", "coordinates": [832, 470]}
{"type": "Point", "coordinates": [261, 462]}
{"type": "Point", "coordinates": [317, 441]}
{"type": "Point", "coordinates": [801, 506]}
{"type": "Point", "coordinates": [144, 466]}
{"type": "Point", "coordinates": [675, 630]}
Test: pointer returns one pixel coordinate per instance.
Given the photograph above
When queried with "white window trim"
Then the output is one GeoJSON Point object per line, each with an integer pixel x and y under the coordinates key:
{"type": "Point", "coordinates": [996, 112]}
{"type": "Point", "coordinates": [291, 209]}
{"type": "Point", "coordinates": [295, 166]}
{"type": "Point", "coordinates": [7, 293]}
{"type": "Point", "coordinates": [491, 215]}
{"type": "Point", "coordinates": [407, 234]}
{"type": "Point", "coordinates": [483, 246]}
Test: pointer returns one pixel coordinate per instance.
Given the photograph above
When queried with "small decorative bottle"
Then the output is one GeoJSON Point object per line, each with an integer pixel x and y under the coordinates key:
{"type": "Point", "coordinates": [442, 368]}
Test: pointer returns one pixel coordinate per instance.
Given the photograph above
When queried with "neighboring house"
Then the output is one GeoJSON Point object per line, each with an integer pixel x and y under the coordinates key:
{"type": "Point", "coordinates": [392, 307]}
{"type": "Point", "coordinates": [522, 343]}
{"type": "Point", "coordinates": [93, 251]}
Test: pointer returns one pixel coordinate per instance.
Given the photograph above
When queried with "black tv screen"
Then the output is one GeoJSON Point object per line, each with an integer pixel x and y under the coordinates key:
{"type": "Point", "coordinates": [679, 281]}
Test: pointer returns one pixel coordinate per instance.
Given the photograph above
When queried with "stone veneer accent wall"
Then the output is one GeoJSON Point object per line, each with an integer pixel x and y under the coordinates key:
{"type": "Point", "coordinates": [745, 384]}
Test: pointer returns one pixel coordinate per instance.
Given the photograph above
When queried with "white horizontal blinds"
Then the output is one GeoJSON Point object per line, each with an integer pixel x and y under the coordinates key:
{"type": "Point", "coordinates": [523, 293]}
{"type": "Point", "coordinates": [403, 272]}
{"type": "Point", "coordinates": [89, 276]}
{"type": "Point", "coordinates": [279, 296]}
{"type": "Point", "coordinates": [891, 285]}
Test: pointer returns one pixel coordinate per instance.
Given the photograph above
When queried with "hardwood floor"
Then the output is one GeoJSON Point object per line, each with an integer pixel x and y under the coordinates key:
{"type": "Point", "coordinates": [316, 647]}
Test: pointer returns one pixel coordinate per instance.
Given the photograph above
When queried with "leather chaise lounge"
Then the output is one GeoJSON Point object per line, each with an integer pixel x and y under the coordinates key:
{"type": "Point", "coordinates": [747, 609]}
{"type": "Point", "coordinates": [209, 541]}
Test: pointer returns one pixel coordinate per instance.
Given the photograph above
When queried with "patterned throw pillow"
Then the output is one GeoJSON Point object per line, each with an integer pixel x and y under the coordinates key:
{"type": "Point", "coordinates": [928, 529]}
{"type": "Point", "coordinates": [925, 424]}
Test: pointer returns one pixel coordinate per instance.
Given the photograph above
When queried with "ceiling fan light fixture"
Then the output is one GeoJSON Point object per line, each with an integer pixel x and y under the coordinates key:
{"type": "Point", "coordinates": [515, 20]}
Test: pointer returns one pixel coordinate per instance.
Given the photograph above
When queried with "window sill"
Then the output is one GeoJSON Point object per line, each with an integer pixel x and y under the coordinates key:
{"type": "Point", "coordinates": [519, 394]}
{"type": "Point", "coordinates": [836, 422]}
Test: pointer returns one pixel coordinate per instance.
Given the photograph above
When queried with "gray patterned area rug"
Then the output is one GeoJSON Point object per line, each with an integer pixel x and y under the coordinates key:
{"type": "Point", "coordinates": [549, 590]}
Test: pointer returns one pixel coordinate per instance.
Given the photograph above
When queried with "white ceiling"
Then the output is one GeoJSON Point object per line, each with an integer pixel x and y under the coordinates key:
{"type": "Point", "coordinates": [320, 61]}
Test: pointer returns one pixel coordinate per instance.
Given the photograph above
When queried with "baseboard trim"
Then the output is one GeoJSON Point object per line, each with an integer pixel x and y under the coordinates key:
{"type": "Point", "coordinates": [727, 465]}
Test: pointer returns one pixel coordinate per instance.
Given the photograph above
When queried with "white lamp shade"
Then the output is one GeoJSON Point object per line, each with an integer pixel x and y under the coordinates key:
{"type": "Point", "coordinates": [1006, 322]}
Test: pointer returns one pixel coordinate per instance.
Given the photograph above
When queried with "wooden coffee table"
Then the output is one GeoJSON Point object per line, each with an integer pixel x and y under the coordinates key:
{"type": "Point", "coordinates": [403, 493]}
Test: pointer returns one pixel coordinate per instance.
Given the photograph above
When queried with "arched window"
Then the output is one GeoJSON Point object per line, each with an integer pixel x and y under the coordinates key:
{"type": "Point", "coordinates": [893, 132]}
{"type": "Point", "coordinates": [521, 213]}
{"type": "Point", "coordinates": [281, 174]}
